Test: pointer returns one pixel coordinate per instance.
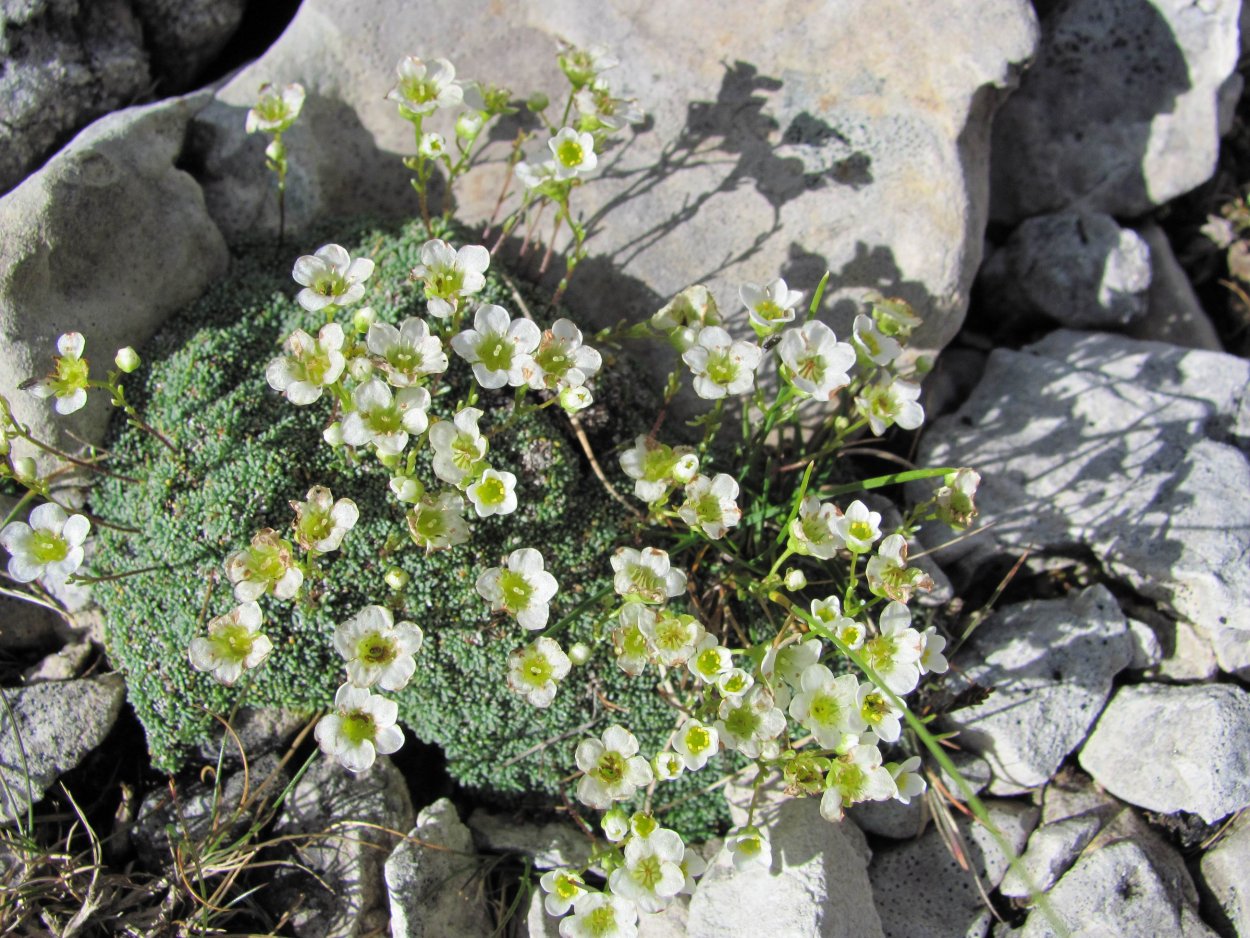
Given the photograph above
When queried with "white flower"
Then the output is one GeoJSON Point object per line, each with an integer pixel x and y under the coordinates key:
{"type": "Point", "coordinates": [711, 504]}
{"type": "Point", "coordinates": [646, 575]}
{"type": "Point", "coordinates": [692, 865]}
{"type": "Point", "coordinates": [828, 705]}
{"type": "Point", "coordinates": [494, 493]}
{"type": "Point", "coordinates": [931, 659]}
{"type": "Point", "coordinates": [790, 661]}
{"type": "Point", "coordinates": [583, 66]}
{"type": "Point", "coordinates": [449, 275]}
{"type": "Point", "coordinates": [633, 651]}
{"type": "Point", "coordinates": [895, 653]}
{"type": "Point", "coordinates": [436, 523]}
{"type": "Point", "coordinates": [771, 306]}
{"type": "Point", "coordinates": [498, 348]}
{"type": "Point", "coordinates": [954, 500]}
{"type": "Point", "coordinates": [561, 359]}
{"type": "Point", "coordinates": [695, 742]}
{"type": "Point", "coordinates": [234, 644]}
{"type": "Point", "coordinates": [48, 548]}
{"type": "Point", "coordinates": [651, 464]}
{"type": "Point", "coordinates": [432, 145]}
{"type": "Point", "coordinates": [879, 713]}
{"type": "Point", "coordinates": [308, 365]}
{"type": "Point", "coordinates": [614, 770]}
{"type": "Point", "coordinates": [734, 682]}
{"type": "Point", "coordinates": [361, 727]}
{"type": "Point", "coordinates": [534, 176]}
{"type": "Point", "coordinates": [598, 108]}
{"type": "Point", "coordinates": [907, 779]}
{"type": "Point", "coordinates": [377, 649]}
{"type": "Point", "coordinates": [522, 589]}
{"type": "Point", "coordinates": [385, 419]}
{"type": "Point", "coordinates": [749, 847]}
{"type": "Point", "coordinates": [818, 363]}
{"type": "Point", "coordinates": [321, 523]}
{"type": "Point", "coordinates": [266, 566]}
{"type": "Point", "coordinates": [812, 532]}
{"type": "Point", "coordinates": [575, 399]}
{"type": "Point", "coordinates": [747, 722]}
{"type": "Point", "coordinates": [710, 660]}
{"type": "Point", "coordinates": [331, 278]}
{"type": "Point", "coordinates": [858, 527]}
{"type": "Point", "coordinates": [419, 93]}
{"type": "Point", "coordinates": [534, 670]}
{"type": "Point", "coordinates": [685, 314]}
{"type": "Point", "coordinates": [667, 765]}
{"type": "Point", "coordinates": [459, 446]}
{"type": "Point", "coordinates": [600, 915]}
{"type": "Point", "coordinates": [889, 402]}
{"type": "Point", "coordinates": [672, 636]}
{"type": "Point", "coordinates": [721, 365]}
{"type": "Point", "coordinates": [574, 153]}
{"type": "Point", "coordinates": [652, 872]}
{"type": "Point", "coordinates": [408, 353]}
{"type": "Point", "coordinates": [855, 777]}
{"type": "Point", "coordinates": [562, 887]}
{"type": "Point", "coordinates": [888, 574]}
{"type": "Point", "coordinates": [616, 825]}
{"type": "Point", "coordinates": [878, 348]}
{"type": "Point", "coordinates": [68, 384]}
{"type": "Point", "coordinates": [276, 110]}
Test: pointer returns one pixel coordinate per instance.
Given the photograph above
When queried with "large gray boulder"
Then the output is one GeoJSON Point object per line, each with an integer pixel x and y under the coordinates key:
{"type": "Point", "coordinates": [1131, 452]}
{"type": "Point", "coordinates": [1172, 749]}
{"type": "Point", "coordinates": [1226, 875]}
{"type": "Point", "coordinates": [1049, 666]}
{"type": "Point", "coordinates": [107, 239]}
{"type": "Point", "coordinates": [841, 138]}
{"type": "Point", "coordinates": [50, 729]}
{"type": "Point", "coordinates": [1122, 109]}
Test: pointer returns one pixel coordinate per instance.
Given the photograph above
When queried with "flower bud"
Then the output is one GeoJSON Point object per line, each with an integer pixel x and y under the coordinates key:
{"type": "Point", "coordinates": [686, 468]}
{"type": "Point", "coordinates": [396, 578]}
{"type": "Point", "coordinates": [537, 102]}
{"type": "Point", "coordinates": [431, 145]}
{"type": "Point", "coordinates": [333, 434]}
{"type": "Point", "coordinates": [575, 399]}
{"type": "Point", "coordinates": [407, 489]}
{"type": "Point", "coordinates": [389, 460]}
{"type": "Point", "coordinates": [615, 825]}
{"type": "Point", "coordinates": [579, 653]}
{"type": "Point", "coordinates": [25, 469]}
{"type": "Point", "coordinates": [361, 368]}
{"type": "Point", "coordinates": [469, 125]}
{"type": "Point", "coordinates": [795, 579]}
{"type": "Point", "coordinates": [127, 359]}
{"type": "Point", "coordinates": [643, 824]}
{"type": "Point", "coordinates": [363, 318]}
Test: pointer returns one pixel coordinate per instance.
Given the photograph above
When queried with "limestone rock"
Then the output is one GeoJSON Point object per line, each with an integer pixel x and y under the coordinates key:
{"type": "Point", "coordinates": [845, 142]}
{"type": "Point", "coordinates": [1080, 269]}
{"type": "Point", "coordinates": [551, 844]}
{"type": "Point", "coordinates": [1051, 851]}
{"type": "Point", "coordinates": [1173, 311]}
{"type": "Point", "coordinates": [1049, 665]}
{"type": "Point", "coordinates": [1226, 875]}
{"type": "Point", "coordinates": [349, 899]}
{"type": "Point", "coordinates": [185, 35]}
{"type": "Point", "coordinates": [1121, 110]}
{"type": "Point", "coordinates": [107, 240]}
{"type": "Point", "coordinates": [1171, 749]}
{"type": "Point", "coordinates": [920, 890]}
{"type": "Point", "coordinates": [53, 725]}
{"type": "Point", "coordinates": [1126, 450]}
{"type": "Point", "coordinates": [432, 891]}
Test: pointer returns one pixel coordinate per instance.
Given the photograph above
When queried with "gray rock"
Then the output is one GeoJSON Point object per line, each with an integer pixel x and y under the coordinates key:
{"type": "Point", "coordinates": [1171, 749]}
{"type": "Point", "coordinates": [1080, 269]}
{"type": "Point", "coordinates": [1049, 665]}
{"type": "Point", "coordinates": [1226, 875]}
{"type": "Point", "coordinates": [1051, 851]}
{"type": "Point", "coordinates": [920, 890]}
{"type": "Point", "coordinates": [349, 897]}
{"type": "Point", "coordinates": [185, 35]}
{"type": "Point", "coordinates": [107, 239]}
{"type": "Point", "coordinates": [259, 730]}
{"type": "Point", "coordinates": [65, 63]}
{"type": "Point", "coordinates": [550, 845]}
{"type": "Point", "coordinates": [1187, 655]}
{"type": "Point", "coordinates": [62, 665]}
{"type": "Point", "coordinates": [1173, 311]}
{"type": "Point", "coordinates": [53, 726]}
{"type": "Point", "coordinates": [890, 818]}
{"type": "Point", "coordinates": [1119, 889]}
{"type": "Point", "coordinates": [1124, 450]}
{"type": "Point", "coordinates": [1147, 649]}
{"type": "Point", "coordinates": [1120, 112]}
{"type": "Point", "coordinates": [974, 770]}
{"type": "Point", "coordinates": [431, 879]}
{"type": "Point", "coordinates": [752, 166]}
{"type": "Point", "coordinates": [24, 625]}
{"type": "Point", "coordinates": [817, 885]}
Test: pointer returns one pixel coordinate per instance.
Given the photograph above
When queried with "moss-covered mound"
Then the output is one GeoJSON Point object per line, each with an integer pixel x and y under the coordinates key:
{"type": "Point", "coordinates": [245, 453]}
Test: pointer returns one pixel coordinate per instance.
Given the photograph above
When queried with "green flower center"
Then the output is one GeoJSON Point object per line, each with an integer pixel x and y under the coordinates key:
{"type": "Point", "coordinates": [330, 283]}
{"type": "Point", "coordinates": [825, 709]}
{"type": "Point", "coordinates": [385, 421]}
{"type": "Point", "coordinates": [849, 779]}
{"type": "Point", "coordinates": [445, 282]}
{"type": "Point", "coordinates": [271, 108]}
{"type": "Point", "coordinates": [657, 464]}
{"type": "Point", "coordinates": [265, 563]}
{"type": "Point", "coordinates": [428, 524]}
{"type": "Point", "coordinates": [860, 530]}
{"type": "Point", "coordinates": [769, 310]}
{"type": "Point", "coordinates": [742, 722]}
{"type": "Point", "coordinates": [647, 872]}
{"type": "Point", "coordinates": [708, 509]}
{"type": "Point", "coordinates": [570, 153]}
{"type": "Point", "coordinates": [71, 374]}
{"type": "Point", "coordinates": [601, 922]}
{"type": "Point", "coordinates": [671, 633]}
{"type": "Point", "coordinates": [418, 90]}
{"type": "Point", "coordinates": [491, 492]}
{"type": "Point", "coordinates": [644, 580]}
{"type": "Point", "coordinates": [698, 739]}
{"type": "Point", "coordinates": [358, 727]}
{"type": "Point", "coordinates": [47, 547]}
{"type": "Point", "coordinates": [566, 888]}
{"type": "Point", "coordinates": [750, 846]}
{"type": "Point", "coordinates": [376, 649]}
{"type": "Point", "coordinates": [708, 663]}
{"type": "Point", "coordinates": [812, 369]}
{"type": "Point", "coordinates": [495, 352]}
{"type": "Point", "coordinates": [315, 526]}
{"type": "Point", "coordinates": [722, 368]}
{"type": "Point", "coordinates": [234, 642]}
{"type": "Point", "coordinates": [535, 669]}
{"type": "Point", "coordinates": [874, 709]}
{"type": "Point", "coordinates": [465, 451]}
{"type": "Point", "coordinates": [553, 360]}
{"type": "Point", "coordinates": [404, 359]}
{"type": "Point", "coordinates": [517, 591]}
{"type": "Point", "coordinates": [879, 651]}
{"type": "Point", "coordinates": [611, 767]}
{"type": "Point", "coordinates": [634, 642]}
{"type": "Point", "coordinates": [736, 684]}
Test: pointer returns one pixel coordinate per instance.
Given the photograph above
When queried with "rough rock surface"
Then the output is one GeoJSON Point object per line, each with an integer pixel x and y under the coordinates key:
{"type": "Point", "coordinates": [1226, 875]}
{"type": "Point", "coordinates": [920, 890]}
{"type": "Point", "coordinates": [1126, 450]}
{"type": "Point", "coordinates": [107, 239]}
{"type": "Point", "coordinates": [185, 35]}
{"type": "Point", "coordinates": [350, 899]}
{"type": "Point", "coordinates": [1121, 111]}
{"type": "Point", "coordinates": [1080, 269]}
{"type": "Point", "coordinates": [1049, 664]}
{"type": "Point", "coordinates": [1173, 311]}
{"type": "Point", "coordinates": [54, 725]}
{"type": "Point", "coordinates": [432, 891]}
{"type": "Point", "coordinates": [1051, 851]}
{"type": "Point", "coordinates": [845, 142]}
{"type": "Point", "coordinates": [1171, 749]}
{"type": "Point", "coordinates": [550, 844]}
